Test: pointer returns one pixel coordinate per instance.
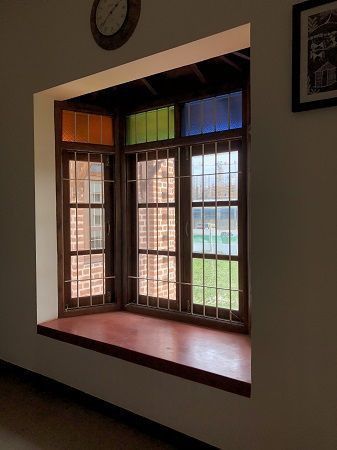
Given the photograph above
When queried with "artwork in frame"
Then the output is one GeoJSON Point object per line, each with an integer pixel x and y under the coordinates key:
{"type": "Point", "coordinates": [314, 55]}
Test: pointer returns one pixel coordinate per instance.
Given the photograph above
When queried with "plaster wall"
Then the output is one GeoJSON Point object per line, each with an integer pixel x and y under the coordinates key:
{"type": "Point", "coordinates": [292, 216]}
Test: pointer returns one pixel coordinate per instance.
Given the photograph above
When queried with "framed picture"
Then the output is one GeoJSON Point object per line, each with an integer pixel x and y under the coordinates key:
{"type": "Point", "coordinates": [314, 55]}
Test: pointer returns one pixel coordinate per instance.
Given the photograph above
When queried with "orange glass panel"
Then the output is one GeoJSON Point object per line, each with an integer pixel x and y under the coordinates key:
{"type": "Point", "coordinates": [95, 129]}
{"type": "Point", "coordinates": [82, 131]}
{"type": "Point", "coordinates": [107, 134]}
{"type": "Point", "coordinates": [68, 126]}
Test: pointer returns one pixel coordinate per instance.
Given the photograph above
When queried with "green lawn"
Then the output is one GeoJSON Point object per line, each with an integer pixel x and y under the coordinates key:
{"type": "Point", "coordinates": [225, 270]}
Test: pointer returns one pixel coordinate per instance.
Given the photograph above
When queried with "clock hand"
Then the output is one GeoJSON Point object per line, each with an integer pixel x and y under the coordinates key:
{"type": "Point", "coordinates": [111, 11]}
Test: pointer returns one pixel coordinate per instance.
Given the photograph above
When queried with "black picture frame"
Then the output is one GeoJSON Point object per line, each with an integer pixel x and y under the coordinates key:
{"type": "Point", "coordinates": [314, 57]}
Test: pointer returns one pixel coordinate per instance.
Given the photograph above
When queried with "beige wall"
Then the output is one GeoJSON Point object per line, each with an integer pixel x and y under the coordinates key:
{"type": "Point", "coordinates": [293, 222]}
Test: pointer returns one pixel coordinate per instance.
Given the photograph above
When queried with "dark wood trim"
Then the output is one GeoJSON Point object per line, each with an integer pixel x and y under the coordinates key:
{"type": "Point", "coordinates": [87, 148]}
{"type": "Point", "coordinates": [108, 333]}
{"type": "Point", "coordinates": [68, 394]}
{"type": "Point", "coordinates": [87, 310]}
{"type": "Point", "coordinates": [68, 105]}
{"type": "Point", "coordinates": [185, 140]}
{"type": "Point", "coordinates": [187, 317]}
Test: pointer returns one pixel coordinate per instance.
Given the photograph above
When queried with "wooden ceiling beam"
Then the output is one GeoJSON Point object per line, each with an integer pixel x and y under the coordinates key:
{"type": "Point", "coordinates": [230, 63]}
{"type": "Point", "coordinates": [199, 74]}
{"type": "Point", "coordinates": [149, 87]}
{"type": "Point", "coordinates": [242, 56]}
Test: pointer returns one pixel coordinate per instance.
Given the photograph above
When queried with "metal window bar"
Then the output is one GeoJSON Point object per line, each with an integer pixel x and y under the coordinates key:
{"type": "Point", "coordinates": [216, 229]}
{"type": "Point", "coordinates": [203, 227]}
{"type": "Point", "coordinates": [137, 230]}
{"type": "Point", "coordinates": [178, 255]}
{"type": "Point", "coordinates": [168, 230]}
{"type": "Point", "coordinates": [229, 232]}
{"type": "Point", "coordinates": [103, 224]}
{"type": "Point", "coordinates": [76, 202]}
{"type": "Point", "coordinates": [157, 171]}
{"type": "Point", "coordinates": [147, 228]}
{"type": "Point", "coordinates": [89, 193]}
{"type": "Point", "coordinates": [191, 228]}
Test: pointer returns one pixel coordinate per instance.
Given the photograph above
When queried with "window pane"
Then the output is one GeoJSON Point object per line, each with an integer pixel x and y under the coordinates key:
{"type": "Point", "coordinates": [226, 270]}
{"type": "Point", "coordinates": [80, 270]}
{"type": "Point", "coordinates": [211, 235]}
{"type": "Point", "coordinates": [149, 126]}
{"type": "Point", "coordinates": [83, 127]}
{"type": "Point", "coordinates": [236, 110]}
{"type": "Point", "coordinates": [155, 276]}
{"type": "Point", "coordinates": [157, 174]}
{"type": "Point", "coordinates": [150, 228]}
{"type": "Point", "coordinates": [212, 114]}
{"type": "Point", "coordinates": [222, 291]}
{"type": "Point", "coordinates": [84, 236]}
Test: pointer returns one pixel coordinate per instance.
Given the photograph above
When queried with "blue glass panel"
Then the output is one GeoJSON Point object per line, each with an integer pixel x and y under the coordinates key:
{"type": "Point", "coordinates": [195, 118]}
{"type": "Point", "coordinates": [209, 115]}
{"type": "Point", "coordinates": [222, 122]}
{"type": "Point", "coordinates": [236, 110]}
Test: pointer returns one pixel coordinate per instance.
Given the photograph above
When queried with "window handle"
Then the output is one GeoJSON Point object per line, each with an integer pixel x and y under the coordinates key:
{"type": "Point", "coordinates": [187, 234]}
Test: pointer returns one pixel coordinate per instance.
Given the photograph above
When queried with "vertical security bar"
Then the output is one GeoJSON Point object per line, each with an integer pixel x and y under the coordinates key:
{"type": "Point", "coordinates": [191, 226]}
{"type": "Point", "coordinates": [103, 225]}
{"type": "Point", "coordinates": [229, 231]}
{"type": "Point", "coordinates": [203, 229]}
{"type": "Point", "coordinates": [89, 193]}
{"type": "Point", "coordinates": [147, 232]}
{"type": "Point", "coordinates": [168, 228]}
{"type": "Point", "coordinates": [157, 174]}
{"type": "Point", "coordinates": [216, 229]}
{"type": "Point", "coordinates": [76, 203]}
{"type": "Point", "coordinates": [179, 228]}
{"type": "Point", "coordinates": [137, 232]}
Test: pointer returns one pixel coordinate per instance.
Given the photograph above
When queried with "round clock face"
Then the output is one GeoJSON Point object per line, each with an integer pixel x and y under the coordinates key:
{"type": "Point", "coordinates": [113, 21]}
{"type": "Point", "coordinates": [110, 16]}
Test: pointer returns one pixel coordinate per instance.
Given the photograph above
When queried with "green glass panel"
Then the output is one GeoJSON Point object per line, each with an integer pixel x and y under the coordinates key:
{"type": "Point", "coordinates": [171, 122]}
{"type": "Point", "coordinates": [131, 130]}
{"type": "Point", "coordinates": [163, 123]}
{"type": "Point", "coordinates": [140, 128]}
{"type": "Point", "coordinates": [151, 119]}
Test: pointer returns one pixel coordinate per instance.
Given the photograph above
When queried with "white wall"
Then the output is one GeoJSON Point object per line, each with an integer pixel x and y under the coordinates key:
{"type": "Point", "coordinates": [293, 219]}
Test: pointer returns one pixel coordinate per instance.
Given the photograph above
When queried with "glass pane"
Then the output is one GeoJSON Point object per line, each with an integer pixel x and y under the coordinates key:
{"type": "Point", "coordinates": [82, 127]}
{"type": "Point", "coordinates": [152, 127]}
{"type": "Point", "coordinates": [68, 126]}
{"type": "Point", "coordinates": [150, 229]}
{"type": "Point", "coordinates": [84, 236]}
{"type": "Point", "coordinates": [226, 270]}
{"type": "Point", "coordinates": [227, 162]}
{"type": "Point", "coordinates": [107, 130]}
{"type": "Point", "coordinates": [163, 123]}
{"type": "Point", "coordinates": [236, 110]}
{"type": "Point", "coordinates": [195, 118]}
{"type": "Point", "coordinates": [95, 129]}
{"type": "Point", "coordinates": [222, 122]}
{"type": "Point", "coordinates": [208, 239]}
{"type": "Point", "coordinates": [209, 115]}
{"type": "Point", "coordinates": [157, 271]}
{"type": "Point", "coordinates": [140, 128]}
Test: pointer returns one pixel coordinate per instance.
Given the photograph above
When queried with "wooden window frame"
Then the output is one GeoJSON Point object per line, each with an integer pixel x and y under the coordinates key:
{"type": "Point", "coordinates": [124, 245]}
{"type": "Point", "coordinates": [63, 152]}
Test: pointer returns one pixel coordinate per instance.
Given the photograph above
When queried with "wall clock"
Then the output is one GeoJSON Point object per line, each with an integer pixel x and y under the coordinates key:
{"type": "Point", "coordinates": [113, 21]}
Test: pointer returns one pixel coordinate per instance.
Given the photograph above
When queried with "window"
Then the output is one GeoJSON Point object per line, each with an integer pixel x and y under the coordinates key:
{"type": "Point", "coordinates": [156, 222]}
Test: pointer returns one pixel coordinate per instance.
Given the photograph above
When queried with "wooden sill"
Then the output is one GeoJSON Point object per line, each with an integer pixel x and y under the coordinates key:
{"type": "Point", "coordinates": [216, 358]}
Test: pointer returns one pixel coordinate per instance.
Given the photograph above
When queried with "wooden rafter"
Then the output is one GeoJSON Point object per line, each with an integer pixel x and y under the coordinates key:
{"type": "Point", "coordinates": [242, 55]}
{"type": "Point", "coordinates": [226, 60]}
{"type": "Point", "coordinates": [199, 74]}
{"type": "Point", "coordinates": [149, 86]}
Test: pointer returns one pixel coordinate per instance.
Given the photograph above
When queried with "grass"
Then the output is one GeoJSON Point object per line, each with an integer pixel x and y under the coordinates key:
{"type": "Point", "coordinates": [206, 275]}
